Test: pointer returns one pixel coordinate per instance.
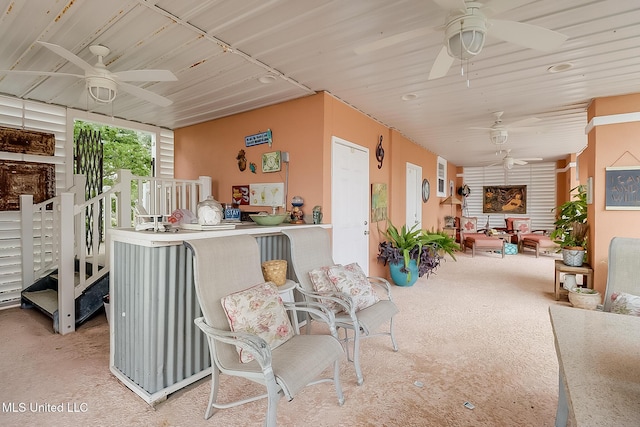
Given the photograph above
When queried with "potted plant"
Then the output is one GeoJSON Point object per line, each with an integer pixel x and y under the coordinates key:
{"type": "Point", "coordinates": [413, 252]}
{"type": "Point", "coordinates": [571, 227]}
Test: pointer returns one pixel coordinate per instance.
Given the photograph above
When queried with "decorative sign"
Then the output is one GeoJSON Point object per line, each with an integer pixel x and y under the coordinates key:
{"type": "Point", "coordinates": [504, 199]}
{"type": "Point", "coordinates": [240, 194]}
{"type": "Point", "coordinates": [259, 138]}
{"type": "Point", "coordinates": [271, 161]}
{"type": "Point", "coordinates": [271, 194]}
{"type": "Point", "coordinates": [18, 178]}
{"type": "Point", "coordinates": [27, 141]}
{"type": "Point", "coordinates": [622, 188]}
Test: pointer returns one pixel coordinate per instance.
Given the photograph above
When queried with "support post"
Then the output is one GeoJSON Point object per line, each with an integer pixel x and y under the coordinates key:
{"type": "Point", "coordinates": [26, 239]}
{"type": "Point", "coordinates": [66, 284]}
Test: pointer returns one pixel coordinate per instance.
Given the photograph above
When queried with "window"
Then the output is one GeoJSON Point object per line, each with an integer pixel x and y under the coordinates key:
{"type": "Point", "coordinates": [441, 187]}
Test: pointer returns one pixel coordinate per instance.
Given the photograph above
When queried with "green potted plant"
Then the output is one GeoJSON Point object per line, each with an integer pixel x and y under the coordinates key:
{"type": "Point", "coordinates": [571, 227]}
{"type": "Point", "coordinates": [413, 252]}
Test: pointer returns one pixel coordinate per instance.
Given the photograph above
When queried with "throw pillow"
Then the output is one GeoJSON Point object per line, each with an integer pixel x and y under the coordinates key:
{"type": "Point", "coordinates": [258, 310]}
{"type": "Point", "coordinates": [321, 283]}
{"type": "Point", "coordinates": [623, 303]}
{"type": "Point", "coordinates": [351, 280]}
{"type": "Point", "coordinates": [522, 226]}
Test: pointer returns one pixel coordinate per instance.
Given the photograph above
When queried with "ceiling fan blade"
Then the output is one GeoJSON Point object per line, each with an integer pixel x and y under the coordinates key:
{"type": "Point", "coordinates": [145, 76]}
{"type": "Point", "coordinates": [41, 73]}
{"type": "Point", "coordinates": [527, 35]}
{"type": "Point", "coordinates": [441, 65]}
{"type": "Point", "coordinates": [531, 159]}
{"type": "Point", "coordinates": [69, 56]}
{"type": "Point", "coordinates": [392, 40]}
{"type": "Point", "coordinates": [495, 7]}
{"type": "Point", "coordinates": [479, 128]}
{"type": "Point", "coordinates": [145, 94]}
{"type": "Point", "coordinates": [523, 123]}
{"type": "Point", "coordinates": [519, 162]}
{"type": "Point", "coordinates": [451, 4]}
{"type": "Point", "coordinates": [494, 164]}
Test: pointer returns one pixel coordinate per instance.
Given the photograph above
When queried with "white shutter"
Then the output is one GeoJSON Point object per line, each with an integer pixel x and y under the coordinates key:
{"type": "Point", "coordinates": [540, 179]}
{"type": "Point", "coordinates": [18, 113]}
{"type": "Point", "coordinates": [164, 155]}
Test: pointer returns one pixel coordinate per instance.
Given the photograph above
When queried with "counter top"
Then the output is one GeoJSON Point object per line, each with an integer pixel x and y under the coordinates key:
{"type": "Point", "coordinates": [599, 360]}
{"type": "Point", "coordinates": [170, 238]}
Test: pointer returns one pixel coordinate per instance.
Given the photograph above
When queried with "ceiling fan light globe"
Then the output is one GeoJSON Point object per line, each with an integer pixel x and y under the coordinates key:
{"type": "Point", "coordinates": [508, 163]}
{"type": "Point", "coordinates": [101, 89]}
{"type": "Point", "coordinates": [498, 136]}
{"type": "Point", "coordinates": [465, 36]}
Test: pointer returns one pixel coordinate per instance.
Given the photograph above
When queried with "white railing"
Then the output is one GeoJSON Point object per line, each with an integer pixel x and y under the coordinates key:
{"type": "Point", "coordinates": [64, 228]}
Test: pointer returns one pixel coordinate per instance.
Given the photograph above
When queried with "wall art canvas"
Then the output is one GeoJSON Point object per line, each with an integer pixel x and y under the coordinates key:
{"type": "Point", "coordinates": [510, 199]}
{"type": "Point", "coordinates": [379, 202]}
{"type": "Point", "coordinates": [17, 178]}
{"type": "Point", "coordinates": [622, 188]}
{"type": "Point", "coordinates": [27, 141]}
{"type": "Point", "coordinates": [240, 194]}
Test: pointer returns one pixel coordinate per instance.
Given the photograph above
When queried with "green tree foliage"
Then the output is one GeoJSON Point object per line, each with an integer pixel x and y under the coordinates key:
{"type": "Point", "coordinates": [123, 149]}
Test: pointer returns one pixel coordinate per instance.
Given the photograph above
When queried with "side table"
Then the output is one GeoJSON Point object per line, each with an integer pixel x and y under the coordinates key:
{"type": "Point", "coordinates": [560, 267]}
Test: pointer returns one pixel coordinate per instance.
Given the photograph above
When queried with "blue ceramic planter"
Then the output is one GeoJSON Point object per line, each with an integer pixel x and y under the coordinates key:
{"type": "Point", "coordinates": [399, 277]}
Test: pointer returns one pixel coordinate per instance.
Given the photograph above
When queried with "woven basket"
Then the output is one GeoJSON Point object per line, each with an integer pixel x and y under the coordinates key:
{"type": "Point", "coordinates": [275, 271]}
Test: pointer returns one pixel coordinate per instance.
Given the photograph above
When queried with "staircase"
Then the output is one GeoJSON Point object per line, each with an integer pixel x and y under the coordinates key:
{"type": "Point", "coordinates": [64, 277]}
{"type": "Point", "coordinates": [43, 295]}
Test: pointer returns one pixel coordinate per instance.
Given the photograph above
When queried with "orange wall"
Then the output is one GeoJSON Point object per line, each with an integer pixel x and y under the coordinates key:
{"type": "Point", "coordinates": [609, 145]}
{"type": "Point", "coordinates": [304, 128]}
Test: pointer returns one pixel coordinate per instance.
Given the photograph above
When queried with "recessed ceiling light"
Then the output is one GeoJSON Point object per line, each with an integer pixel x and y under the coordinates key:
{"type": "Point", "coordinates": [266, 79]}
{"type": "Point", "coordinates": [409, 97]}
{"type": "Point", "coordinates": [558, 68]}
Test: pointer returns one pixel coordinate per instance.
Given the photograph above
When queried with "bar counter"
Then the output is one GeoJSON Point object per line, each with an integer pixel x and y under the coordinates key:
{"type": "Point", "coordinates": [155, 348]}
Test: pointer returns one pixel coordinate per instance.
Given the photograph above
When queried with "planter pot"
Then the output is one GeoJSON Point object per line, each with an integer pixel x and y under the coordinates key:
{"type": "Point", "coordinates": [399, 277]}
{"type": "Point", "coordinates": [573, 257]}
{"type": "Point", "coordinates": [584, 298]}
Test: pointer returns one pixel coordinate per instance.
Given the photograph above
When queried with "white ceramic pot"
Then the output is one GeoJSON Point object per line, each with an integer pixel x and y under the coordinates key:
{"type": "Point", "coordinates": [584, 298]}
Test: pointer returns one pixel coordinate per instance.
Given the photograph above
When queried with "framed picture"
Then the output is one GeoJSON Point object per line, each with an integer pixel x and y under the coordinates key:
{"type": "Point", "coordinates": [379, 202]}
{"type": "Point", "coordinates": [511, 199]}
{"type": "Point", "coordinates": [240, 194]}
{"type": "Point", "coordinates": [622, 188]}
{"type": "Point", "coordinates": [271, 161]}
{"type": "Point", "coordinates": [16, 178]}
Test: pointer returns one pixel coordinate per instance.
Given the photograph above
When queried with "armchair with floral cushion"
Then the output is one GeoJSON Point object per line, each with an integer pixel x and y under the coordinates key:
{"type": "Point", "coordinates": [527, 238]}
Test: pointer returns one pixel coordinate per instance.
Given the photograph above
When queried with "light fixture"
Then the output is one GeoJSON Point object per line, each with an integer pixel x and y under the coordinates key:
{"type": "Point", "coordinates": [409, 97]}
{"type": "Point", "coordinates": [102, 89]}
{"type": "Point", "coordinates": [559, 68]}
{"type": "Point", "coordinates": [465, 35]}
{"type": "Point", "coordinates": [498, 136]}
{"type": "Point", "coordinates": [451, 201]}
{"type": "Point", "coordinates": [508, 163]}
{"type": "Point", "coordinates": [267, 79]}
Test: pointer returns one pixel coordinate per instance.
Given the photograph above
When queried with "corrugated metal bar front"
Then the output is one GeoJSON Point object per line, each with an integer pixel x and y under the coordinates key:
{"type": "Point", "coordinates": [156, 343]}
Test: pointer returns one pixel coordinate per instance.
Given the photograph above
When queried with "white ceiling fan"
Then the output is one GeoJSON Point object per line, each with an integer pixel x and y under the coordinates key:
{"type": "Point", "coordinates": [499, 131]}
{"type": "Point", "coordinates": [103, 85]}
{"type": "Point", "coordinates": [465, 30]}
{"type": "Point", "coordinates": [508, 161]}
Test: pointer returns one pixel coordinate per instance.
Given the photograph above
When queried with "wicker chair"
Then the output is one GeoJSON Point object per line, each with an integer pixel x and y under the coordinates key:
{"type": "Point", "coordinates": [228, 265]}
{"type": "Point", "coordinates": [311, 249]}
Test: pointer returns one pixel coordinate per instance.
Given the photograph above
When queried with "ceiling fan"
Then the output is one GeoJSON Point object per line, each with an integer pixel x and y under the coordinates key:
{"type": "Point", "coordinates": [466, 27]}
{"type": "Point", "coordinates": [499, 132]}
{"type": "Point", "coordinates": [103, 85]}
{"type": "Point", "coordinates": [508, 161]}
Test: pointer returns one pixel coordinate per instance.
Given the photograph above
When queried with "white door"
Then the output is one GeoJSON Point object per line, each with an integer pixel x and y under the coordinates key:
{"type": "Point", "coordinates": [413, 196]}
{"type": "Point", "coordinates": [350, 202]}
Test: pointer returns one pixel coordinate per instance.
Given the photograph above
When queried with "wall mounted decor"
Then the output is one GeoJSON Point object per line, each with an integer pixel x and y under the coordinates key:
{"type": "Point", "coordinates": [27, 141]}
{"type": "Point", "coordinates": [16, 178]}
{"type": "Point", "coordinates": [379, 202]}
{"type": "Point", "coordinates": [441, 186]}
{"type": "Point", "coordinates": [259, 138]}
{"type": "Point", "coordinates": [379, 153]}
{"type": "Point", "coordinates": [622, 188]}
{"type": "Point", "coordinates": [271, 162]}
{"type": "Point", "coordinates": [270, 194]}
{"type": "Point", "coordinates": [240, 194]}
{"type": "Point", "coordinates": [504, 199]}
{"type": "Point", "coordinates": [242, 160]}
{"type": "Point", "coordinates": [426, 190]}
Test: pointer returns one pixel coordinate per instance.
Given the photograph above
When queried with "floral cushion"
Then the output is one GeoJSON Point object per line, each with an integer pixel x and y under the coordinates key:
{"type": "Point", "coordinates": [322, 283]}
{"type": "Point", "coordinates": [351, 280]}
{"type": "Point", "coordinates": [522, 226]}
{"type": "Point", "coordinates": [258, 310]}
{"type": "Point", "coordinates": [509, 222]}
{"type": "Point", "coordinates": [623, 303]}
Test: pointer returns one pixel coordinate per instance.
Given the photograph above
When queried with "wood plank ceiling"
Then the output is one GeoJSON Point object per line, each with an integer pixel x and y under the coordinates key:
{"type": "Point", "coordinates": [220, 49]}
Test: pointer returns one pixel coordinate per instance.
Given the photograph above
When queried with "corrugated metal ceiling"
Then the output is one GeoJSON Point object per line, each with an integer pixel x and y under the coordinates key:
{"type": "Point", "coordinates": [219, 50]}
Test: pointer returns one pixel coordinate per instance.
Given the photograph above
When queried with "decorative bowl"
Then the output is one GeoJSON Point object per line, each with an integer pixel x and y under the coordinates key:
{"type": "Point", "coordinates": [584, 298]}
{"type": "Point", "coordinates": [268, 219]}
